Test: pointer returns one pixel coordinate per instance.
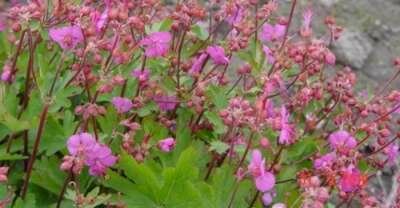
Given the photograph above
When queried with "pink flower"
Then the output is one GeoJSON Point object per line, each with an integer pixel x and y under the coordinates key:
{"type": "Point", "coordinates": [266, 199]}
{"type": "Point", "coordinates": [156, 44]}
{"type": "Point", "coordinates": [279, 205]}
{"type": "Point", "coordinates": [99, 159]}
{"type": "Point", "coordinates": [287, 135]}
{"type": "Point", "coordinates": [269, 54]}
{"type": "Point", "coordinates": [84, 147]}
{"type": "Point", "coordinates": [236, 16]}
{"type": "Point", "coordinates": [273, 32]}
{"type": "Point", "coordinates": [305, 30]}
{"type": "Point", "coordinates": [167, 145]}
{"type": "Point", "coordinates": [67, 37]}
{"type": "Point", "coordinates": [263, 179]}
{"type": "Point", "coordinates": [3, 174]}
{"type": "Point", "coordinates": [392, 153]}
{"type": "Point", "coordinates": [142, 76]}
{"type": "Point", "coordinates": [351, 179]}
{"type": "Point", "coordinates": [342, 140]}
{"type": "Point", "coordinates": [217, 54]}
{"type": "Point", "coordinates": [330, 57]}
{"type": "Point", "coordinates": [325, 161]}
{"type": "Point", "coordinates": [307, 17]}
{"type": "Point", "coordinates": [122, 105]}
{"type": "Point", "coordinates": [166, 103]}
{"type": "Point", "coordinates": [198, 64]}
{"type": "Point", "coordinates": [80, 144]}
{"type": "Point", "coordinates": [7, 75]}
{"type": "Point", "coordinates": [3, 25]}
{"type": "Point", "coordinates": [101, 21]}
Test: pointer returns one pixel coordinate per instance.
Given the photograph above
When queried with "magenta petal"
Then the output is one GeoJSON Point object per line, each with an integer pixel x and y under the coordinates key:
{"type": "Point", "coordinates": [265, 182]}
{"type": "Point", "coordinates": [67, 37]}
{"type": "Point", "coordinates": [156, 44]}
{"type": "Point", "coordinates": [101, 22]}
{"type": "Point", "coordinates": [217, 54]}
{"type": "Point", "coordinates": [266, 199]}
{"type": "Point", "coordinates": [269, 55]}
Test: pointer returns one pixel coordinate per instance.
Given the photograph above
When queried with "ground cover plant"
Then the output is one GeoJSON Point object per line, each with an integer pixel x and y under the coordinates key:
{"type": "Point", "coordinates": [119, 103]}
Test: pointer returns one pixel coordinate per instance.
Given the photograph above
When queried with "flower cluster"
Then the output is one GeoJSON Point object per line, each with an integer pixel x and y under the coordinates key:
{"type": "Point", "coordinates": [84, 149]}
{"type": "Point", "coordinates": [193, 97]}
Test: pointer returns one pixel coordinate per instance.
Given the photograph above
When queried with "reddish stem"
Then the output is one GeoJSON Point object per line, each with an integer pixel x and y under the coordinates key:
{"type": "Point", "coordinates": [32, 158]}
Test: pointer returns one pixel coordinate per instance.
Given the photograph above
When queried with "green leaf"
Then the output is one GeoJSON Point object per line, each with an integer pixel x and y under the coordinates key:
{"type": "Point", "coordinates": [133, 197]}
{"type": "Point", "coordinates": [218, 146]}
{"type": "Point", "coordinates": [219, 126]}
{"type": "Point", "coordinates": [13, 123]}
{"type": "Point", "coordinates": [47, 174]}
{"type": "Point", "coordinates": [144, 178]}
{"type": "Point", "coordinates": [200, 32]}
{"type": "Point", "coordinates": [177, 187]}
{"type": "Point", "coordinates": [164, 25]}
{"type": "Point", "coordinates": [301, 149]}
{"type": "Point", "coordinates": [62, 96]}
{"type": "Point", "coordinates": [217, 95]}
{"type": "Point", "coordinates": [223, 183]}
{"type": "Point", "coordinates": [147, 109]}
{"type": "Point", "coordinates": [28, 202]}
{"type": "Point", "coordinates": [154, 129]}
{"type": "Point", "coordinates": [53, 138]}
{"type": "Point", "coordinates": [183, 132]}
{"type": "Point", "coordinates": [109, 121]}
{"type": "Point", "coordinates": [7, 156]}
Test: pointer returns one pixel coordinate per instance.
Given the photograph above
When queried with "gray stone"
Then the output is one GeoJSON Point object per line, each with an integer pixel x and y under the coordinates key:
{"type": "Point", "coordinates": [379, 65]}
{"type": "Point", "coordinates": [353, 48]}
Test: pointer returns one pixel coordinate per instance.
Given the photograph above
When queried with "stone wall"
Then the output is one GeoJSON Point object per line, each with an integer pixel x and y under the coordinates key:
{"type": "Point", "coordinates": [371, 39]}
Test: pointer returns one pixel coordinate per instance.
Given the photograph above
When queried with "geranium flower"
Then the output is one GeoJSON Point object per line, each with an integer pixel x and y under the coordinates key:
{"type": "Point", "coordinates": [287, 135]}
{"type": "Point", "coordinates": [99, 159]}
{"type": "Point", "coordinates": [263, 179]}
{"type": "Point", "coordinates": [217, 54]}
{"type": "Point", "coordinates": [392, 153]}
{"type": "Point", "coordinates": [122, 105]}
{"type": "Point", "coordinates": [342, 140]}
{"type": "Point", "coordinates": [167, 145]}
{"type": "Point", "coordinates": [236, 16]}
{"type": "Point", "coordinates": [351, 179]}
{"type": "Point", "coordinates": [325, 161]}
{"type": "Point", "coordinates": [156, 44]}
{"type": "Point", "coordinates": [3, 174]}
{"type": "Point", "coordinates": [273, 32]}
{"type": "Point", "coordinates": [67, 37]}
{"type": "Point", "coordinates": [81, 143]}
{"type": "Point", "coordinates": [269, 54]}
{"type": "Point", "coordinates": [198, 64]}
{"type": "Point", "coordinates": [166, 103]}
{"type": "Point", "coordinates": [306, 30]}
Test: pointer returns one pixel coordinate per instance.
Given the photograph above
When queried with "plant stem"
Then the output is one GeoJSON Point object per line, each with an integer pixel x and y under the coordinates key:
{"type": "Point", "coordinates": [276, 159]}
{"type": "Point", "coordinates": [58, 70]}
{"type": "Point", "coordinates": [253, 201]}
{"type": "Point", "coordinates": [32, 158]}
{"type": "Point", "coordinates": [19, 48]}
{"type": "Point", "coordinates": [233, 194]}
{"type": "Point", "coordinates": [245, 152]}
{"type": "Point", "coordinates": [179, 61]}
{"type": "Point", "coordinates": [64, 187]}
{"type": "Point", "coordinates": [294, 2]}
{"type": "Point", "coordinates": [234, 85]}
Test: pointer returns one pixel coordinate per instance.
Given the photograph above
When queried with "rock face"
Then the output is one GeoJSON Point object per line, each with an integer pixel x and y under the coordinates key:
{"type": "Point", "coordinates": [372, 37]}
{"type": "Point", "coordinates": [353, 48]}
